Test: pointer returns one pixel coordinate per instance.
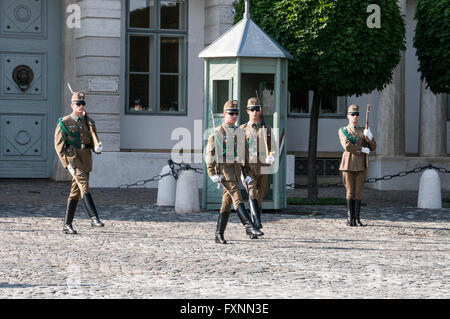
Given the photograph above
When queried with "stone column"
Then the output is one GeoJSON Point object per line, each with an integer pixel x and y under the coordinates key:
{"type": "Point", "coordinates": [391, 111]}
{"type": "Point", "coordinates": [391, 115]}
{"type": "Point", "coordinates": [432, 123]}
{"type": "Point", "coordinates": [218, 18]}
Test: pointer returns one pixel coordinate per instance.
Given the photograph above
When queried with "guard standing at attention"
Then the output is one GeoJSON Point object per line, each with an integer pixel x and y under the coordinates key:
{"type": "Point", "coordinates": [75, 139]}
{"type": "Point", "coordinates": [357, 142]}
{"type": "Point", "coordinates": [258, 156]}
{"type": "Point", "coordinates": [224, 163]}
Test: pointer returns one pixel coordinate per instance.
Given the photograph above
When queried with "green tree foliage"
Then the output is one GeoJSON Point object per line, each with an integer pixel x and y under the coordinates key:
{"type": "Point", "coordinates": [432, 41]}
{"type": "Point", "coordinates": [335, 51]}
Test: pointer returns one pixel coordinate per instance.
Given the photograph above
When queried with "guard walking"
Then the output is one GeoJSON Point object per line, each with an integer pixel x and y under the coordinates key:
{"type": "Point", "coordinates": [356, 142]}
{"type": "Point", "coordinates": [74, 142]}
{"type": "Point", "coordinates": [225, 160]}
{"type": "Point", "coordinates": [258, 138]}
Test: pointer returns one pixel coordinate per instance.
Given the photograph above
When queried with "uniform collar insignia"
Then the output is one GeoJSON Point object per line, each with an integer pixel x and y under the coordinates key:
{"type": "Point", "coordinates": [76, 118]}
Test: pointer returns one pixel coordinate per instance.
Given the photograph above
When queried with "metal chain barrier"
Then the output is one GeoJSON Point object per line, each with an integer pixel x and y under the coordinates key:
{"type": "Point", "coordinates": [174, 172]}
{"type": "Point", "coordinates": [384, 178]}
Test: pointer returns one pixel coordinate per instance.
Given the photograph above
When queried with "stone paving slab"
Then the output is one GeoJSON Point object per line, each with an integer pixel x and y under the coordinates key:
{"type": "Point", "coordinates": [144, 252]}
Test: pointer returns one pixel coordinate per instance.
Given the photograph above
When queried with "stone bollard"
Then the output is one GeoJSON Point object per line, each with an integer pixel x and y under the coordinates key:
{"type": "Point", "coordinates": [166, 188]}
{"type": "Point", "coordinates": [429, 190]}
{"type": "Point", "coordinates": [187, 199]}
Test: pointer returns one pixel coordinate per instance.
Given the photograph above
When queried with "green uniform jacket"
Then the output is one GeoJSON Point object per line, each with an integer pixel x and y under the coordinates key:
{"type": "Point", "coordinates": [255, 148]}
{"type": "Point", "coordinates": [78, 157]}
{"type": "Point", "coordinates": [352, 140]}
{"type": "Point", "coordinates": [230, 171]}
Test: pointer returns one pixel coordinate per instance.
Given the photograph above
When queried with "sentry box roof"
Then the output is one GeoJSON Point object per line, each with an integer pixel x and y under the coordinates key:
{"type": "Point", "coordinates": [245, 39]}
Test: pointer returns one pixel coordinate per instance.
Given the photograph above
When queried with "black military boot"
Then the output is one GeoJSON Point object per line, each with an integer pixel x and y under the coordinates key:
{"type": "Point", "coordinates": [250, 229]}
{"type": "Point", "coordinates": [68, 218]}
{"type": "Point", "coordinates": [91, 210]}
{"type": "Point", "coordinates": [222, 221]}
{"type": "Point", "coordinates": [350, 212]}
{"type": "Point", "coordinates": [357, 212]}
{"type": "Point", "coordinates": [255, 213]}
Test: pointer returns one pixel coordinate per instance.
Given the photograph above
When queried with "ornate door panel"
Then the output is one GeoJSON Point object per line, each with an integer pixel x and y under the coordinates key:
{"type": "Point", "coordinates": [30, 58]}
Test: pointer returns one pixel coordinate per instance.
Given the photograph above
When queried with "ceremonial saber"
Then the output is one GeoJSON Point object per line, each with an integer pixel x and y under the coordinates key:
{"type": "Point", "coordinates": [226, 189]}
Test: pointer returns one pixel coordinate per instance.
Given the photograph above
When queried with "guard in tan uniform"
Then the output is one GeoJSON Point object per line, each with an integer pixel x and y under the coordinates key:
{"type": "Point", "coordinates": [225, 160]}
{"type": "Point", "coordinates": [256, 157]}
{"type": "Point", "coordinates": [74, 142]}
{"type": "Point", "coordinates": [357, 142]}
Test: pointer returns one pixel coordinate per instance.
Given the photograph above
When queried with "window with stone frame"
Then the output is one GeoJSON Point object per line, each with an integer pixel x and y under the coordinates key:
{"type": "Point", "coordinates": [157, 56]}
{"type": "Point", "coordinates": [300, 104]}
{"type": "Point", "coordinates": [324, 166]}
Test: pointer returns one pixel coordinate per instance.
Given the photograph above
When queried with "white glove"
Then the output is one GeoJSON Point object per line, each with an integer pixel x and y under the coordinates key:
{"type": "Point", "coordinates": [368, 133]}
{"type": "Point", "coordinates": [270, 159]}
{"type": "Point", "coordinates": [99, 148]}
{"type": "Point", "coordinates": [216, 178]}
{"type": "Point", "coordinates": [245, 180]}
{"type": "Point", "coordinates": [365, 150]}
{"type": "Point", "coordinates": [71, 170]}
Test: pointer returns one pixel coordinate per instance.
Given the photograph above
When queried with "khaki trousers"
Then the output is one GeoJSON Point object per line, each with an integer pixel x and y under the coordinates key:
{"type": "Point", "coordinates": [231, 194]}
{"type": "Point", "coordinates": [258, 188]}
{"type": "Point", "coordinates": [80, 184]}
{"type": "Point", "coordinates": [353, 182]}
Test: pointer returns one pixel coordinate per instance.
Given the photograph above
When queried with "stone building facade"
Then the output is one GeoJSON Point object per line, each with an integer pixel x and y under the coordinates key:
{"type": "Point", "coordinates": [137, 61]}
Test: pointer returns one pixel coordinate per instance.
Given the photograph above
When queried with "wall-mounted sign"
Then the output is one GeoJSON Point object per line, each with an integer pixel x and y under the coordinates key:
{"type": "Point", "coordinates": [103, 85]}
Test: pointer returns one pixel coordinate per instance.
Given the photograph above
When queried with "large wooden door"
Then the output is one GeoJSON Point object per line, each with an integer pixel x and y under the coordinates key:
{"type": "Point", "coordinates": [30, 67]}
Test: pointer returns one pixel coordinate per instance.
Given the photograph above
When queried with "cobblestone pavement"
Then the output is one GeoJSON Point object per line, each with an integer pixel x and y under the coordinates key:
{"type": "Point", "coordinates": [145, 252]}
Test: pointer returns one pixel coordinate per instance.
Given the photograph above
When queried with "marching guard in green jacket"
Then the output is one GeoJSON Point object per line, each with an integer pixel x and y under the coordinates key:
{"type": "Point", "coordinates": [259, 155]}
{"type": "Point", "coordinates": [353, 164]}
{"type": "Point", "coordinates": [74, 142]}
{"type": "Point", "coordinates": [225, 160]}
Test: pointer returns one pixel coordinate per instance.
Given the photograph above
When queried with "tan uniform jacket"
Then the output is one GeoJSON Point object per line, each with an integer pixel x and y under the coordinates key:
{"type": "Point", "coordinates": [230, 171]}
{"type": "Point", "coordinates": [255, 148]}
{"type": "Point", "coordinates": [352, 158]}
{"type": "Point", "coordinates": [78, 158]}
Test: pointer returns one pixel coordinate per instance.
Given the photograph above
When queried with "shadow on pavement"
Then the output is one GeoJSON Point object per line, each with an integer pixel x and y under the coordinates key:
{"type": "Point", "coordinates": [47, 198]}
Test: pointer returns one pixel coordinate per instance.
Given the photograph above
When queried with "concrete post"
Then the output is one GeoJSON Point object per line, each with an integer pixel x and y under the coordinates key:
{"type": "Point", "coordinates": [187, 195]}
{"type": "Point", "coordinates": [429, 190]}
{"type": "Point", "coordinates": [167, 187]}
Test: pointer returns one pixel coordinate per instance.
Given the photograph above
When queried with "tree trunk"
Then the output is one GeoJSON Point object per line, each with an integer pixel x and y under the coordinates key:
{"type": "Point", "coordinates": [312, 147]}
